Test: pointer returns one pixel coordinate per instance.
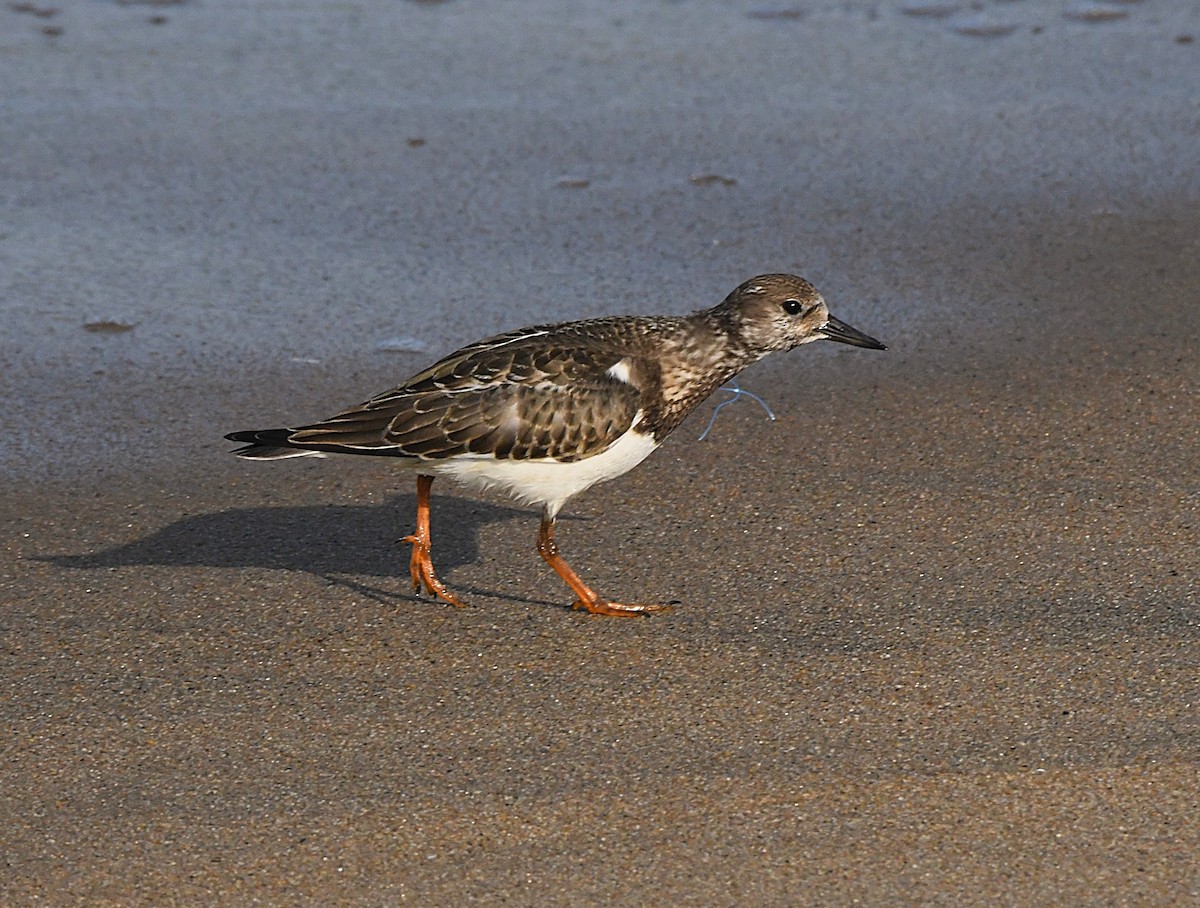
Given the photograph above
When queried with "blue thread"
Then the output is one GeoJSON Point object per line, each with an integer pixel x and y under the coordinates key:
{"type": "Point", "coordinates": [737, 392]}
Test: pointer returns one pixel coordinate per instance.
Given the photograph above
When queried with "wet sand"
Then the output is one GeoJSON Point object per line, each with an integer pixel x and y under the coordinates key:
{"type": "Point", "coordinates": [937, 631]}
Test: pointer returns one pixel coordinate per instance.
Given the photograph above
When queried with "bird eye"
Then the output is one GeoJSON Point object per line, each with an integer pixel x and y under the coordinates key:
{"type": "Point", "coordinates": [792, 307]}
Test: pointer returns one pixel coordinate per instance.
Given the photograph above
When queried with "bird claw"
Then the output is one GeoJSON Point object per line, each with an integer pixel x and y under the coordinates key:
{"type": "Point", "coordinates": [620, 610]}
{"type": "Point", "coordinates": [420, 568]}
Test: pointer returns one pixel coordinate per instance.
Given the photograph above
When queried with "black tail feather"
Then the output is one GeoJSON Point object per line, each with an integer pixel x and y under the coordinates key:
{"type": "Point", "coordinates": [268, 444]}
{"type": "Point", "coordinates": [275, 438]}
{"type": "Point", "coordinates": [275, 444]}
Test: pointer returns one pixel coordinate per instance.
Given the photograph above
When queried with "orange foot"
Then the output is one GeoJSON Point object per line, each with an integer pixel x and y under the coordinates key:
{"type": "Point", "coordinates": [600, 606]}
{"type": "Point", "coordinates": [588, 598]}
{"type": "Point", "coordinates": [420, 568]}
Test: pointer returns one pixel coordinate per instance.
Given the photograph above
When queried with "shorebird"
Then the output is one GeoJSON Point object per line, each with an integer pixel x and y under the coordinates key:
{"type": "Point", "coordinates": [545, 412]}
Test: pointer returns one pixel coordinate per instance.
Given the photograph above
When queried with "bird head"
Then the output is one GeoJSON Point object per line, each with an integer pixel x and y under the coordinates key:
{"type": "Point", "coordinates": [781, 311]}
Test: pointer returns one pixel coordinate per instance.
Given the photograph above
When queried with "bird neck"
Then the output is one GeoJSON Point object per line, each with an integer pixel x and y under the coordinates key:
{"type": "Point", "coordinates": [699, 355]}
{"type": "Point", "coordinates": [714, 339]}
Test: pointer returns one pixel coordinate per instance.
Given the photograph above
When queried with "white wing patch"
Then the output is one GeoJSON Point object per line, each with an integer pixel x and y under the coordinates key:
{"type": "Point", "coordinates": [620, 371]}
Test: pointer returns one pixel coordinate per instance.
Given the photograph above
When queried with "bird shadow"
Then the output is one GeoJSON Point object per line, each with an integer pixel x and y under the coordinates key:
{"type": "Point", "coordinates": [341, 544]}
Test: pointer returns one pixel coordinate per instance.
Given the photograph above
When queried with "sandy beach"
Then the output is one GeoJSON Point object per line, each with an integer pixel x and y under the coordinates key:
{"type": "Point", "coordinates": [937, 624]}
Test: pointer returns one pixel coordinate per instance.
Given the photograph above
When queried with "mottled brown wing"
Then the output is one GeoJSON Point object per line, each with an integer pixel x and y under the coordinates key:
{"type": "Point", "coordinates": [517, 396]}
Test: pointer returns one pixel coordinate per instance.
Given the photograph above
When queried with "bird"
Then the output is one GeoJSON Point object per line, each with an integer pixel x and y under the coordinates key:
{"type": "Point", "coordinates": [545, 412]}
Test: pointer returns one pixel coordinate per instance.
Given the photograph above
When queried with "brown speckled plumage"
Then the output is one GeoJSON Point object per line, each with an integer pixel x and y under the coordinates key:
{"type": "Point", "coordinates": [599, 394]}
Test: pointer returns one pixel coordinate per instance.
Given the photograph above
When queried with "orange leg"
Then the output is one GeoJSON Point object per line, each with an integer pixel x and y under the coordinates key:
{"type": "Point", "coordinates": [588, 598]}
{"type": "Point", "coordinates": [421, 565]}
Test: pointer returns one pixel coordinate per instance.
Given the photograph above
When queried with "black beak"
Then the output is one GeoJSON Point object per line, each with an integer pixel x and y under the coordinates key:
{"type": "Point", "coordinates": [837, 330]}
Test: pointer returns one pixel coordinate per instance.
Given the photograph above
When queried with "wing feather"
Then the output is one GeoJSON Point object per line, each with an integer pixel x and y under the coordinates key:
{"type": "Point", "coordinates": [519, 395]}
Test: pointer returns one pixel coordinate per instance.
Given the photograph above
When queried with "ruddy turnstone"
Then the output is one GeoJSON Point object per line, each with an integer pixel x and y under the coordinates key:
{"type": "Point", "coordinates": [545, 412]}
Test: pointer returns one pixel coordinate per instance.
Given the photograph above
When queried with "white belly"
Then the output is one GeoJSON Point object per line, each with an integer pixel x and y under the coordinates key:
{"type": "Point", "coordinates": [546, 482]}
